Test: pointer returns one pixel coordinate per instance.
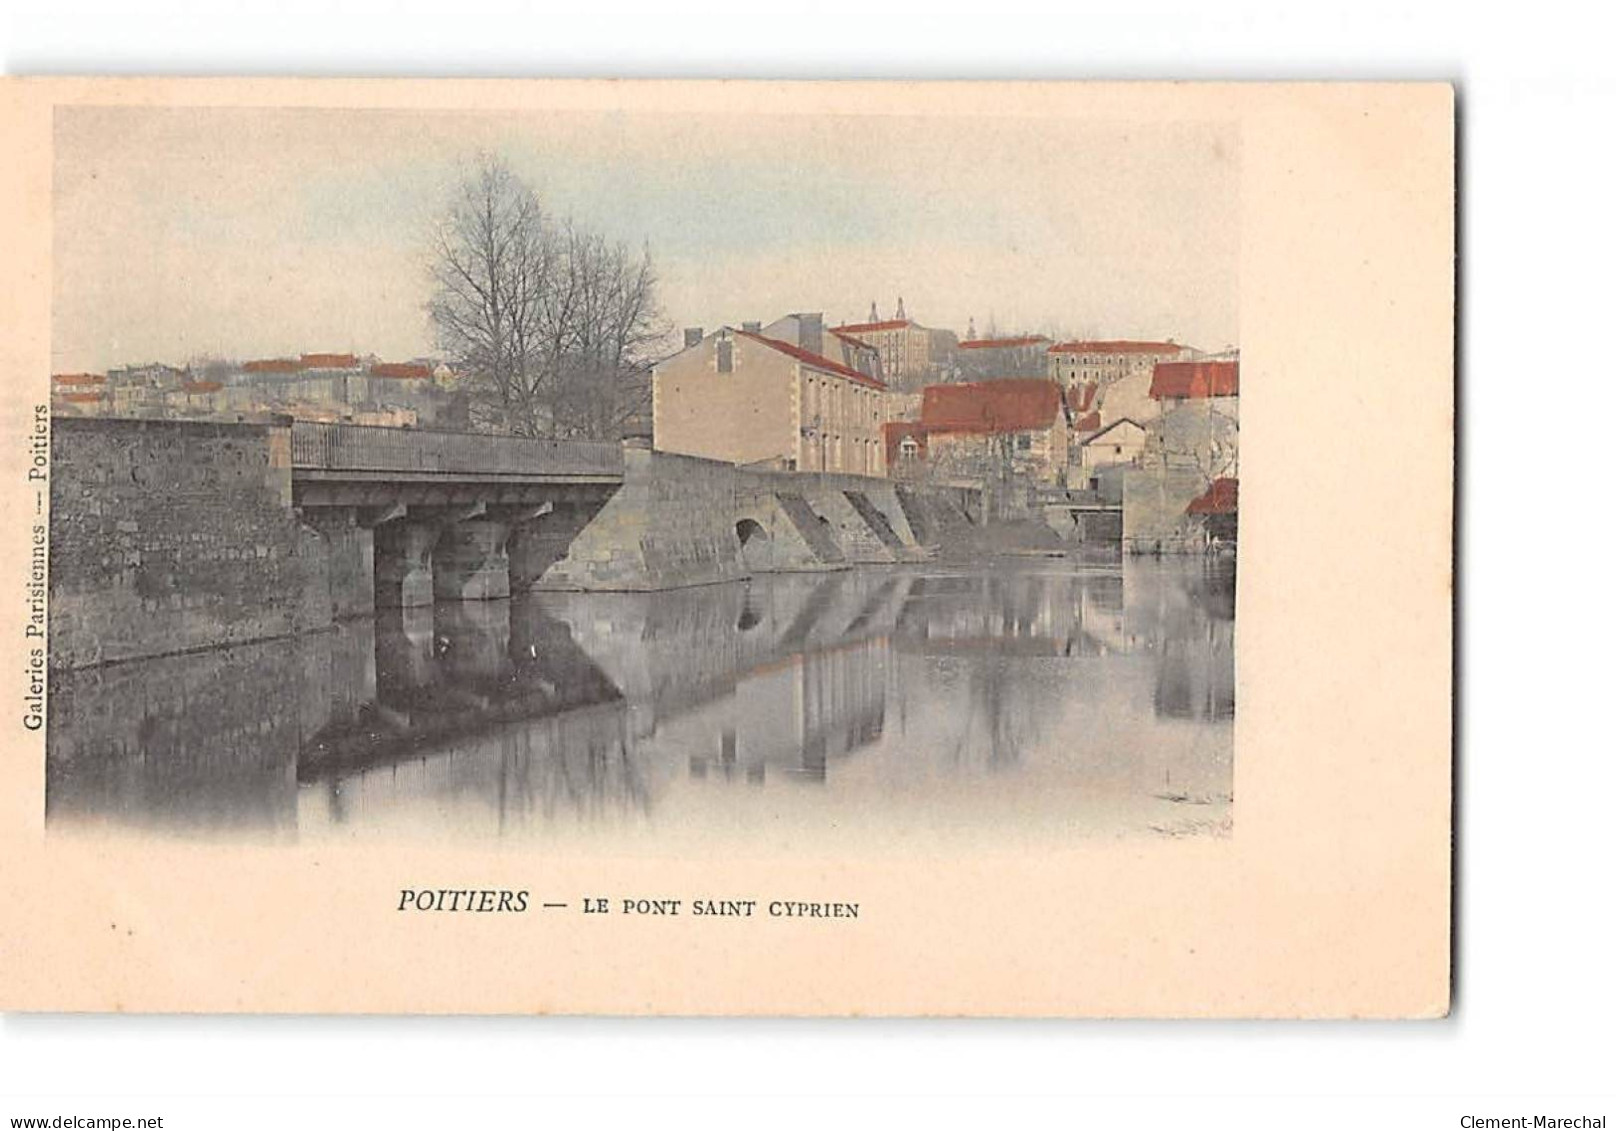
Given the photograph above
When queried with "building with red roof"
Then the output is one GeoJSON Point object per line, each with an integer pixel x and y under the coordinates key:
{"type": "Point", "coordinates": [274, 365]}
{"type": "Point", "coordinates": [78, 393]}
{"type": "Point", "coordinates": [1195, 380]}
{"type": "Point", "coordinates": [401, 371]}
{"type": "Point", "coordinates": [1217, 509]}
{"type": "Point", "coordinates": [859, 329]}
{"type": "Point", "coordinates": [908, 349]}
{"type": "Point", "coordinates": [1012, 428]}
{"type": "Point", "coordinates": [744, 397]}
{"type": "Point", "coordinates": [807, 330]}
{"type": "Point", "coordinates": [1013, 404]}
{"type": "Point", "coordinates": [1004, 343]}
{"type": "Point", "coordinates": [1221, 497]}
{"type": "Point", "coordinates": [815, 361]}
{"type": "Point", "coordinates": [329, 361]}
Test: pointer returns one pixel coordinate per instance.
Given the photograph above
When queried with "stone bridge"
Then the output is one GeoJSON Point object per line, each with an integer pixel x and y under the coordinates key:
{"type": "Point", "coordinates": [444, 516]}
{"type": "Point", "coordinates": [171, 535]}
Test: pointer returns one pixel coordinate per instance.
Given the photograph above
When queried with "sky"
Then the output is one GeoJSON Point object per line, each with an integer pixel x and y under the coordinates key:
{"type": "Point", "coordinates": [242, 233]}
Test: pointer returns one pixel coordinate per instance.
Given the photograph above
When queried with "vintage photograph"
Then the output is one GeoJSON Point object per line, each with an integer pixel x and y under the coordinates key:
{"type": "Point", "coordinates": [631, 476]}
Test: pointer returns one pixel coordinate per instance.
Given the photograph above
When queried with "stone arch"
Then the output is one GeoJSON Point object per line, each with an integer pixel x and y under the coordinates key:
{"type": "Point", "coordinates": [755, 543]}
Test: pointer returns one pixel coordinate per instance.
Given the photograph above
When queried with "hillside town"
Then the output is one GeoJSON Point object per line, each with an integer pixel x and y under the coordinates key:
{"type": "Point", "coordinates": [1112, 441]}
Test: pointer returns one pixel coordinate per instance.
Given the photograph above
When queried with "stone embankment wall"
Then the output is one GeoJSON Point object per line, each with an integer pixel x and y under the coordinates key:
{"type": "Point", "coordinates": [168, 536]}
{"type": "Point", "coordinates": [681, 520]}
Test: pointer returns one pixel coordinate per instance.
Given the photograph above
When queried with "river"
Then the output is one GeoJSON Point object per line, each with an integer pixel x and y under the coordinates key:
{"type": "Point", "coordinates": [1015, 702]}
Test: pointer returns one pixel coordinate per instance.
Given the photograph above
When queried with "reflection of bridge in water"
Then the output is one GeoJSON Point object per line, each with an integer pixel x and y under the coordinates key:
{"type": "Point", "coordinates": [580, 706]}
{"type": "Point", "coordinates": [498, 699]}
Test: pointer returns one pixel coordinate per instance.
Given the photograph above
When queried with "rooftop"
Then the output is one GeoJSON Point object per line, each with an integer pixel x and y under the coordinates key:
{"type": "Point", "coordinates": [1118, 423]}
{"type": "Point", "coordinates": [871, 327]}
{"type": "Point", "coordinates": [1003, 343]}
{"type": "Point", "coordinates": [330, 361]}
{"type": "Point", "coordinates": [818, 361]}
{"type": "Point", "coordinates": [1010, 404]}
{"type": "Point", "coordinates": [1195, 379]}
{"type": "Point", "coordinates": [850, 339]}
{"type": "Point", "coordinates": [1116, 346]}
{"type": "Point", "coordinates": [1222, 497]}
{"type": "Point", "coordinates": [274, 365]}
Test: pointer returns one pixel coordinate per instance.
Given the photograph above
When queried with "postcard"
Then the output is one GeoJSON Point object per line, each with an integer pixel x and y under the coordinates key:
{"type": "Point", "coordinates": [743, 548]}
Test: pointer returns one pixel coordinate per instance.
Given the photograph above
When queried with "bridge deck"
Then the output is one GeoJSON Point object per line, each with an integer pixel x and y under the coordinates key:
{"type": "Point", "coordinates": [360, 452]}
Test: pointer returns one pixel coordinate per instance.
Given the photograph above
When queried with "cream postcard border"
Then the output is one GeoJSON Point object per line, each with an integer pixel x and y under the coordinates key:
{"type": "Point", "coordinates": [1330, 898]}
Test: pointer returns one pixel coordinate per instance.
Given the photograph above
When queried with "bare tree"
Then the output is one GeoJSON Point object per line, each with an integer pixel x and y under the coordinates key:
{"type": "Point", "coordinates": [554, 326]}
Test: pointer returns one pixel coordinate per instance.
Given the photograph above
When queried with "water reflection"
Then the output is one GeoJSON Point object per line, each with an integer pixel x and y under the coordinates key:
{"type": "Point", "coordinates": [1054, 695]}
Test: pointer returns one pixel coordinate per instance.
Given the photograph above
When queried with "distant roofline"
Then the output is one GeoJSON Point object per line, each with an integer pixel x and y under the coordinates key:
{"type": "Point", "coordinates": [870, 327]}
{"type": "Point", "coordinates": [1116, 345]}
{"type": "Point", "coordinates": [1002, 343]}
{"type": "Point", "coordinates": [851, 339]}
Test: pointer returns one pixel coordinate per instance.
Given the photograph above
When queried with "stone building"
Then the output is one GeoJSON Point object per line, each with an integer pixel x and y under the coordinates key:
{"type": "Point", "coordinates": [905, 347]}
{"type": "Point", "coordinates": [746, 398]}
{"type": "Point", "coordinates": [1120, 443]}
{"type": "Point", "coordinates": [1013, 430]}
{"type": "Point", "coordinates": [808, 331]}
{"type": "Point", "coordinates": [1106, 362]}
{"type": "Point", "coordinates": [79, 394]}
{"type": "Point", "coordinates": [342, 386]}
{"type": "Point", "coordinates": [1191, 445]}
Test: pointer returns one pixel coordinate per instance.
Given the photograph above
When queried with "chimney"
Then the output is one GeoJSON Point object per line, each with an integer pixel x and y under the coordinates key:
{"type": "Point", "coordinates": [811, 332]}
{"type": "Point", "coordinates": [900, 315]}
{"type": "Point", "coordinates": [874, 317]}
{"type": "Point", "coordinates": [752, 327]}
{"type": "Point", "coordinates": [693, 336]}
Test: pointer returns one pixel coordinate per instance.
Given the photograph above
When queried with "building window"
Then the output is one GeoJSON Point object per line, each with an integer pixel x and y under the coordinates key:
{"type": "Point", "coordinates": [726, 356]}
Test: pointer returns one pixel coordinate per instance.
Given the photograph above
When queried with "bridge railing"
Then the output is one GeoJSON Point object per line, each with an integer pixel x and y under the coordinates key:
{"type": "Point", "coordinates": [366, 447]}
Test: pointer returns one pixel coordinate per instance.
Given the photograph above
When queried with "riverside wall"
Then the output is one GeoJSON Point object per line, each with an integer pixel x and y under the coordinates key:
{"type": "Point", "coordinates": [168, 536]}
{"type": "Point", "coordinates": [680, 520]}
{"type": "Point", "coordinates": [174, 536]}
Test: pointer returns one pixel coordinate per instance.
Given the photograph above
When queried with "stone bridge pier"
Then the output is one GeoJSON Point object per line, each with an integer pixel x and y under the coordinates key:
{"type": "Point", "coordinates": [403, 555]}
{"type": "Point", "coordinates": [469, 562]}
{"type": "Point", "coordinates": [474, 552]}
{"type": "Point", "coordinates": [544, 536]}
